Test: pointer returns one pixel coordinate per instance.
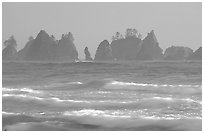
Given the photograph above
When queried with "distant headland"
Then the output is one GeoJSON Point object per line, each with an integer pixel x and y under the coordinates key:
{"type": "Point", "coordinates": [122, 48]}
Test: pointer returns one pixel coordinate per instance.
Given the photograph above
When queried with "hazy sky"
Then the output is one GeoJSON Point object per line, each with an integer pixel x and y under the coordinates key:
{"type": "Point", "coordinates": [173, 23]}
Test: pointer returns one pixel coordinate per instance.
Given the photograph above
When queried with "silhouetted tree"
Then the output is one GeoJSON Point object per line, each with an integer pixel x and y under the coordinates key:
{"type": "Point", "coordinates": [117, 36]}
{"type": "Point", "coordinates": [62, 36]}
{"type": "Point", "coordinates": [139, 36]}
{"type": "Point", "coordinates": [134, 33]}
{"type": "Point", "coordinates": [121, 36]}
{"type": "Point", "coordinates": [52, 36]}
{"type": "Point", "coordinates": [113, 38]}
{"type": "Point", "coordinates": [10, 42]}
{"type": "Point", "coordinates": [30, 38]}
{"type": "Point", "coordinates": [128, 33]}
{"type": "Point", "coordinates": [70, 36]}
{"type": "Point", "coordinates": [131, 33]}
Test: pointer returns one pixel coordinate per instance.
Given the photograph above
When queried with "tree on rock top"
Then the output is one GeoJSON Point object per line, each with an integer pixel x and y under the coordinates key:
{"type": "Point", "coordinates": [9, 52]}
{"type": "Point", "coordinates": [126, 48]}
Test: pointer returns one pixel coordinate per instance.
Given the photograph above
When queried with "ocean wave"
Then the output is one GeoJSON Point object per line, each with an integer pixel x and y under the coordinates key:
{"type": "Point", "coordinates": [50, 100]}
{"type": "Point", "coordinates": [28, 90]}
{"type": "Point", "coordinates": [119, 83]}
{"type": "Point", "coordinates": [55, 85]}
{"type": "Point", "coordinates": [99, 113]}
{"type": "Point", "coordinates": [189, 100]}
{"type": "Point", "coordinates": [78, 83]}
{"type": "Point", "coordinates": [141, 114]}
{"type": "Point", "coordinates": [10, 113]}
{"type": "Point", "coordinates": [161, 88]}
{"type": "Point", "coordinates": [22, 96]}
{"type": "Point", "coordinates": [69, 100]}
{"type": "Point", "coordinates": [164, 98]}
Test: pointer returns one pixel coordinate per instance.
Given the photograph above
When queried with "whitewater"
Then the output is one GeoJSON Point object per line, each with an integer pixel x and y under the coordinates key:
{"type": "Point", "coordinates": [100, 96]}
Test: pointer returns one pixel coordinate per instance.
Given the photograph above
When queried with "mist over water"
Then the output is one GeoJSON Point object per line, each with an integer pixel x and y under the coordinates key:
{"type": "Point", "coordinates": [151, 95]}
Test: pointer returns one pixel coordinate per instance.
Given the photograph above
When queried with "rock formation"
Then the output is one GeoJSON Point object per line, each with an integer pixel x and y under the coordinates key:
{"type": "Point", "coordinates": [197, 55]}
{"type": "Point", "coordinates": [126, 49]}
{"type": "Point", "coordinates": [150, 49]}
{"type": "Point", "coordinates": [87, 54]}
{"type": "Point", "coordinates": [66, 50]}
{"type": "Point", "coordinates": [177, 53]}
{"type": "Point", "coordinates": [9, 52]}
{"type": "Point", "coordinates": [23, 52]}
{"type": "Point", "coordinates": [42, 48]}
{"type": "Point", "coordinates": [103, 52]}
{"type": "Point", "coordinates": [46, 48]}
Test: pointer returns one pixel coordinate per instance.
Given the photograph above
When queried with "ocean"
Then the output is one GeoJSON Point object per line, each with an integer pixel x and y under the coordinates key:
{"type": "Point", "coordinates": [101, 96]}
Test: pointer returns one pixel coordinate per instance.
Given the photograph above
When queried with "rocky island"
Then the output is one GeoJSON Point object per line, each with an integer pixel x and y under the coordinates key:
{"type": "Point", "coordinates": [131, 46]}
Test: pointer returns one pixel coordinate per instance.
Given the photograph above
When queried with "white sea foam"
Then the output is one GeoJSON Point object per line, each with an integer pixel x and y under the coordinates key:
{"type": "Point", "coordinates": [29, 90]}
{"type": "Point", "coordinates": [96, 113]}
{"type": "Point", "coordinates": [79, 83]}
{"type": "Point", "coordinates": [22, 96]}
{"type": "Point", "coordinates": [191, 100]}
{"type": "Point", "coordinates": [9, 89]}
{"type": "Point", "coordinates": [178, 99]}
{"type": "Point", "coordinates": [145, 84]}
{"type": "Point", "coordinates": [142, 114]}
{"type": "Point", "coordinates": [103, 92]}
{"type": "Point", "coordinates": [69, 100]}
{"type": "Point", "coordinates": [10, 113]}
{"type": "Point", "coordinates": [20, 90]}
{"type": "Point", "coordinates": [52, 99]}
{"type": "Point", "coordinates": [163, 98]}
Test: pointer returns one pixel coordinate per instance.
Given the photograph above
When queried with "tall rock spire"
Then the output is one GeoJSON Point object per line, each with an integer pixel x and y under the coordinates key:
{"type": "Point", "coordinates": [87, 54]}
{"type": "Point", "coordinates": [150, 49]}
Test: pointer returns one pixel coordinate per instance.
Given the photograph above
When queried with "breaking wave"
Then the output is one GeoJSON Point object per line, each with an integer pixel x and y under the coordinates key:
{"type": "Point", "coordinates": [28, 90]}
{"type": "Point", "coordinates": [167, 88]}
{"type": "Point", "coordinates": [141, 114]}
{"type": "Point", "coordinates": [119, 83]}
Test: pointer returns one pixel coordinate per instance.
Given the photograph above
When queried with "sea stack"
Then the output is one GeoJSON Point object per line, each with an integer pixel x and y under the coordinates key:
{"type": "Point", "coordinates": [47, 48]}
{"type": "Point", "coordinates": [87, 54]}
{"type": "Point", "coordinates": [126, 48]}
{"type": "Point", "coordinates": [150, 49]}
{"type": "Point", "coordinates": [103, 52]}
{"type": "Point", "coordinates": [177, 53]}
{"type": "Point", "coordinates": [66, 50]}
{"type": "Point", "coordinates": [197, 55]}
{"type": "Point", "coordinates": [43, 48]}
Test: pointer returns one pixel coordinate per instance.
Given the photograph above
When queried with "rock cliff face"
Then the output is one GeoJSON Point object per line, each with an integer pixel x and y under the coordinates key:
{"type": "Point", "coordinates": [177, 53]}
{"type": "Point", "coordinates": [87, 54]}
{"type": "Point", "coordinates": [103, 52]}
{"type": "Point", "coordinates": [9, 53]}
{"type": "Point", "coordinates": [126, 49]}
{"type": "Point", "coordinates": [150, 49]}
{"type": "Point", "coordinates": [66, 50]}
{"type": "Point", "coordinates": [46, 48]}
{"type": "Point", "coordinates": [197, 55]}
